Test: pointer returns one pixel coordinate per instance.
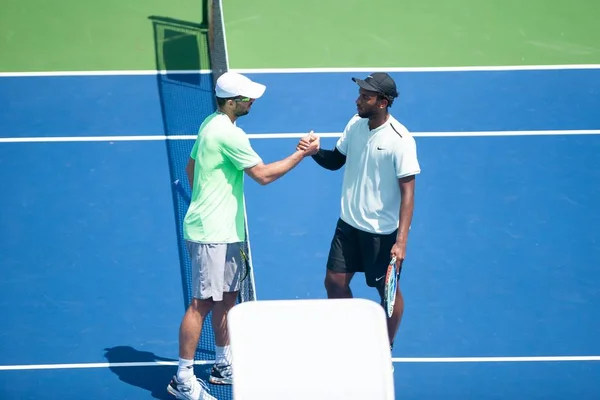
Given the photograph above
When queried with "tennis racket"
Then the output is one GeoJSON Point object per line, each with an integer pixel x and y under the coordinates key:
{"type": "Point", "coordinates": [391, 282]}
{"type": "Point", "coordinates": [244, 246]}
{"type": "Point", "coordinates": [182, 192]}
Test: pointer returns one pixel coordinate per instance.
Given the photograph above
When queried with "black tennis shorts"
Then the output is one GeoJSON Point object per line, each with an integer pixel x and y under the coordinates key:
{"type": "Point", "coordinates": [354, 250]}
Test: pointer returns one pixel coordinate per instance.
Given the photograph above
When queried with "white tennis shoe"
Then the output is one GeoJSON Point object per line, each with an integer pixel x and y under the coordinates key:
{"type": "Point", "coordinates": [191, 389]}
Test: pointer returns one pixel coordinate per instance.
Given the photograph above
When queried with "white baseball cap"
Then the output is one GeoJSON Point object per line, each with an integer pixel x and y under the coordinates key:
{"type": "Point", "coordinates": [232, 84]}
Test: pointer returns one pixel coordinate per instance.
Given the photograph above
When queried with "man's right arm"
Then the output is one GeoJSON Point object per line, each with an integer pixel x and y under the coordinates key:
{"type": "Point", "coordinates": [330, 159]}
{"type": "Point", "coordinates": [267, 173]}
{"type": "Point", "coordinates": [336, 158]}
{"type": "Point", "coordinates": [238, 149]}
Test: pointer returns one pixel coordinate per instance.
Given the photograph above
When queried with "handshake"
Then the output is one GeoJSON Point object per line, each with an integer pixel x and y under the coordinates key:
{"type": "Point", "coordinates": [309, 144]}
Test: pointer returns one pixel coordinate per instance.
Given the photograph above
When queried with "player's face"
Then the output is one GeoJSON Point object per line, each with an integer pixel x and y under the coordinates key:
{"type": "Point", "coordinates": [242, 106]}
{"type": "Point", "coordinates": [368, 103]}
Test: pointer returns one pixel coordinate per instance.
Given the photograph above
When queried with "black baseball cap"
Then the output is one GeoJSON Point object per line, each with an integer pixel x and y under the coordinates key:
{"type": "Point", "coordinates": [379, 82]}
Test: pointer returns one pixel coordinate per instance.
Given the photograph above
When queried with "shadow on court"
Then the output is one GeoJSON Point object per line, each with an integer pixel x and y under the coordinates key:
{"type": "Point", "coordinates": [185, 87]}
{"type": "Point", "coordinates": [186, 98]}
{"type": "Point", "coordinates": [186, 92]}
{"type": "Point", "coordinates": [153, 379]}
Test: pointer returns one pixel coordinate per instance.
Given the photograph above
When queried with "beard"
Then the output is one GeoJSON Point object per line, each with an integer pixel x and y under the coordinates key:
{"type": "Point", "coordinates": [241, 110]}
{"type": "Point", "coordinates": [365, 113]}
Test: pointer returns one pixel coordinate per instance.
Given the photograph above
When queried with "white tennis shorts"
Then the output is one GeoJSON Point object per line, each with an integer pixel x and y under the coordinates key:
{"type": "Point", "coordinates": [216, 268]}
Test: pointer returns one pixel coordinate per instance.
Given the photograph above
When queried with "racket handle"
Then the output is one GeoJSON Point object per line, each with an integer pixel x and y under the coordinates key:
{"type": "Point", "coordinates": [182, 192]}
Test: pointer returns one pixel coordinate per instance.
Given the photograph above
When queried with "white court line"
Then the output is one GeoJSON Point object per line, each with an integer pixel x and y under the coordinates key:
{"type": "Point", "coordinates": [139, 138]}
{"type": "Point", "coordinates": [97, 365]}
{"type": "Point", "coordinates": [495, 359]}
{"type": "Point", "coordinates": [395, 360]}
{"type": "Point", "coordinates": [475, 68]}
{"type": "Point", "coordinates": [96, 73]}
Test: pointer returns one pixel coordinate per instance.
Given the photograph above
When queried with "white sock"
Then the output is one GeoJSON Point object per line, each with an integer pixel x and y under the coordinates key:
{"type": "Point", "coordinates": [185, 370]}
{"type": "Point", "coordinates": [222, 355]}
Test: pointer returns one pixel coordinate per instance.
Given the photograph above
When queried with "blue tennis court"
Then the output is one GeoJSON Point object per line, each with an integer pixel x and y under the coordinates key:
{"type": "Point", "coordinates": [501, 281]}
{"type": "Point", "coordinates": [502, 261]}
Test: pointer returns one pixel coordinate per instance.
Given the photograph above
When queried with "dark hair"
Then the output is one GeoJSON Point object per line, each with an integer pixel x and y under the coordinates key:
{"type": "Point", "coordinates": [222, 100]}
{"type": "Point", "coordinates": [389, 99]}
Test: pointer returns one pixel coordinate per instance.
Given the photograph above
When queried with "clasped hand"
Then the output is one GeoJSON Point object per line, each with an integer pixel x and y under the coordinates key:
{"type": "Point", "coordinates": [309, 144]}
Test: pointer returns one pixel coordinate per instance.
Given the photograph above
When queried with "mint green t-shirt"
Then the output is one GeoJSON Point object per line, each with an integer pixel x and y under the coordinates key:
{"type": "Point", "coordinates": [221, 152]}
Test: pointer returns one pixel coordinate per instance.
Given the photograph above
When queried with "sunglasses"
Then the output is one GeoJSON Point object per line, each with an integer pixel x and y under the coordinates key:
{"type": "Point", "coordinates": [242, 100]}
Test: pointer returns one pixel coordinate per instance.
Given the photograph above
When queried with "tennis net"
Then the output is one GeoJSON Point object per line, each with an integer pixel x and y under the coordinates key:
{"type": "Point", "coordinates": [189, 58]}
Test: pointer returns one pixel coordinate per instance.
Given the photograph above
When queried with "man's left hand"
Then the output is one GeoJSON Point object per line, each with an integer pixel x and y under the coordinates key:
{"type": "Point", "coordinates": [399, 251]}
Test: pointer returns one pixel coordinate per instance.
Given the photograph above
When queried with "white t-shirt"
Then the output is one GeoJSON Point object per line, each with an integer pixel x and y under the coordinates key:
{"type": "Point", "coordinates": [375, 160]}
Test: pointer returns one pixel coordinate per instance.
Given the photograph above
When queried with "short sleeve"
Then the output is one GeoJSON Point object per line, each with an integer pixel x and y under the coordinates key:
{"type": "Point", "coordinates": [342, 143]}
{"type": "Point", "coordinates": [405, 158]}
{"type": "Point", "coordinates": [194, 151]}
{"type": "Point", "coordinates": [236, 147]}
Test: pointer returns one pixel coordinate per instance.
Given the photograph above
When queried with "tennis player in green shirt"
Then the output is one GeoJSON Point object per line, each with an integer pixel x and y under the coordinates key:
{"type": "Point", "coordinates": [214, 225]}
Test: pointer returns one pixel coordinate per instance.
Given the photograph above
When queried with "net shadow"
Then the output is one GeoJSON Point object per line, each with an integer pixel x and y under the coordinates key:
{"type": "Point", "coordinates": [185, 87]}
{"type": "Point", "coordinates": [151, 379]}
{"type": "Point", "coordinates": [189, 58]}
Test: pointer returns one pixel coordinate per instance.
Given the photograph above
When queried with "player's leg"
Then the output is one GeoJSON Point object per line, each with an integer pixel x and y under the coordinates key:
{"type": "Point", "coordinates": [219, 324]}
{"type": "Point", "coordinates": [337, 284]}
{"type": "Point", "coordinates": [222, 373]}
{"type": "Point", "coordinates": [232, 272]}
{"type": "Point", "coordinates": [184, 384]}
{"type": "Point", "coordinates": [376, 255]}
{"type": "Point", "coordinates": [191, 328]}
{"type": "Point", "coordinates": [343, 261]}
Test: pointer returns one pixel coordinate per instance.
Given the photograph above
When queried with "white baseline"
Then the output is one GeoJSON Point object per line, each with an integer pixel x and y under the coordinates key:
{"type": "Point", "coordinates": [141, 138]}
{"type": "Point", "coordinates": [395, 360]}
{"type": "Point", "coordinates": [475, 68]}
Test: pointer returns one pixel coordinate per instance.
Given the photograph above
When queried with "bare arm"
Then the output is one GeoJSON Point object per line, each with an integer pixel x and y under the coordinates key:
{"type": "Point", "coordinates": [267, 173]}
{"type": "Point", "coordinates": [407, 205]}
{"type": "Point", "coordinates": [189, 169]}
